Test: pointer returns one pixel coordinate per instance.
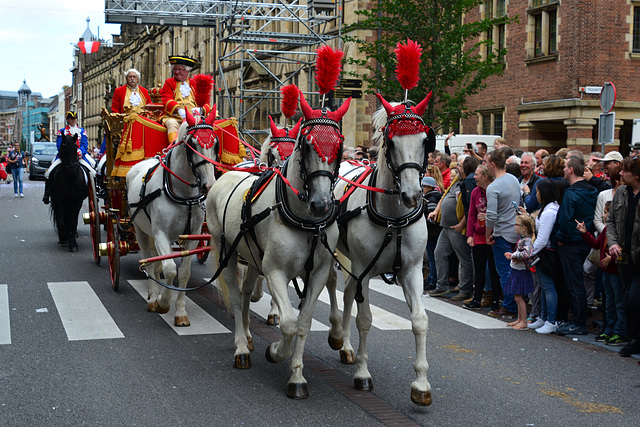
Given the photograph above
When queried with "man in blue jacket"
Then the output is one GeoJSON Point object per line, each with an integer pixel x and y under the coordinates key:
{"type": "Point", "coordinates": [578, 205]}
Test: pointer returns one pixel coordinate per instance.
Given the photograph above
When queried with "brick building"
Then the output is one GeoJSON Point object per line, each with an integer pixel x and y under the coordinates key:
{"type": "Point", "coordinates": [557, 48]}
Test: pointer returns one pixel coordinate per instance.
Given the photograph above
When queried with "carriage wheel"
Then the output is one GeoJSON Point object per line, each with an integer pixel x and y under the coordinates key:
{"type": "Point", "coordinates": [113, 241]}
{"type": "Point", "coordinates": [94, 221]}
{"type": "Point", "coordinates": [203, 256]}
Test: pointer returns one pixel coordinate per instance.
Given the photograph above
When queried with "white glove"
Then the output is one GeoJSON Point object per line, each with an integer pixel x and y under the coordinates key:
{"type": "Point", "coordinates": [197, 110]}
{"type": "Point", "coordinates": [182, 113]}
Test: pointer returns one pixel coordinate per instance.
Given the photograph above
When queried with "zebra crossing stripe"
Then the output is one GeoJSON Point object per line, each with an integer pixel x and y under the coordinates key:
{"type": "Point", "coordinates": [83, 315]}
{"type": "Point", "coordinates": [202, 323]}
{"type": "Point", "coordinates": [263, 307]}
{"type": "Point", "coordinates": [443, 308]}
{"type": "Point", "coordinates": [5, 325]}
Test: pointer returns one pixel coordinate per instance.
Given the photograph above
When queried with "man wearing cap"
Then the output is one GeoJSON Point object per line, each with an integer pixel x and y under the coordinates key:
{"type": "Point", "coordinates": [83, 145]}
{"type": "Point", "coordinates": [178, 94]}
{"type": "Point", "coordinates": [130, 96]}
{"type": "Point", "coordinates": [612, 161]}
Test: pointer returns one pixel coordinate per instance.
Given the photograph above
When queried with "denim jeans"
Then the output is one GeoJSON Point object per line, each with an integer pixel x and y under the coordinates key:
{"type": "Point", "coordinates": [432, 279]}
{"type": "Point", "coordinates": [616, 318]}
{"type": "Point", "coordinates": [504, 270]}
{"type": "Point", "coordinates": [572, 259]}
{"type": "Point", "coordinates": [449, 242]}
{"type": "Point", "coordinates": [548, 297]}
{"type": "Point", "coordinates": [17, 179]}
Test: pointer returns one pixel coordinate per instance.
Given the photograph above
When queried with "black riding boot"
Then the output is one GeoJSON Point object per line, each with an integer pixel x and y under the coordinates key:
{"type": "Point", "coordinates": [45, 198]}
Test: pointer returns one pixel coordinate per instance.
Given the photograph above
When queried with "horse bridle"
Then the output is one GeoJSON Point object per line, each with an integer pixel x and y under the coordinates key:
{"type": "Point", "coordinates": [420, 126]}
{"type": "Point", "coordinates": [303, 147]}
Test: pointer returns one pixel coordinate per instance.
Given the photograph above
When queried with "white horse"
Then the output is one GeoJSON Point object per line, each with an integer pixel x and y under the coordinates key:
{"type": "Point", "coordinates": [286, 243]}
{"type": "Point", "coordinates": [165, 199]}
{"type": "Point", "coordinates": [394, 222]}
{"type": "Point", "coordinates": [274, 151]}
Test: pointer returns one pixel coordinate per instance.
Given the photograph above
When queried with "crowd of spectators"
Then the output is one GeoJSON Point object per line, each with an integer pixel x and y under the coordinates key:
{"type": "Point", "coordinates": [583, 249]}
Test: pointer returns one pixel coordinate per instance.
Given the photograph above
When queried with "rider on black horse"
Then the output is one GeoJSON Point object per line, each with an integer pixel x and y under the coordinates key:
{"type": "Point", "coordinates": [83, 145]}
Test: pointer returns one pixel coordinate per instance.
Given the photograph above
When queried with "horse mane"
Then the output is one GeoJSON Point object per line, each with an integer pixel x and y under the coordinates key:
{"type": "Point", "coordinates": [378, 121]}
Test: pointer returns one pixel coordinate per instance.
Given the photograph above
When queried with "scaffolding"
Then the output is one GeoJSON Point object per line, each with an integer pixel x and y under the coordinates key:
{"type": "Point", "coordinates": [252, 37]}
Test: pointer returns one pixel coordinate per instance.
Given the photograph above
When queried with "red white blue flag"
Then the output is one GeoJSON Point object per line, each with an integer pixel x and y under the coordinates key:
{"type": "Point", "coordinates": [88, 47]}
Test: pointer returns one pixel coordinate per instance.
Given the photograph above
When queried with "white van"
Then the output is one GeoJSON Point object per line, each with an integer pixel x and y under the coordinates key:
{"type": "Point", "coordinates": [458, 143]}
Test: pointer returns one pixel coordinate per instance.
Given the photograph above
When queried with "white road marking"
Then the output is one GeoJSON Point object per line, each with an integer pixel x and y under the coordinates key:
{"type": "Point", "coordinates": [381, 319]}
{"type": "Point", "coordinates": [263, 307]}
{"type": "Point", "coordinates": [5, 325]}
{"type": "Point", "coordinates": [434, 305]}
{"type": "Point", "coordinates": [83, 316]}
{"type": "Point", "coordinates": [202, 323]}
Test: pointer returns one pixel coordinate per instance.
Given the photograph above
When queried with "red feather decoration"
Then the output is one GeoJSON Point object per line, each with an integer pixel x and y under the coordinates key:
{"type": "Point", "coordinates": [202, 85]}
{"type": "Point", "coordinates": [289, 100]}
{"type": "Point", "coordinates": [408, 68]}
{"type": "Point", "coordinates": [328, 67]}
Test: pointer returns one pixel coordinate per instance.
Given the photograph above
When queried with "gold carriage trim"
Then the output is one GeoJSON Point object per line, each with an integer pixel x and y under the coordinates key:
{"type": "Point", "coordinates": [232, 151]}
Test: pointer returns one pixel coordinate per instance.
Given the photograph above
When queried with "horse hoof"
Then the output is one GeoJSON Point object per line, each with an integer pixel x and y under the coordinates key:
{"type": "Point", "coordinates": [273, 320]}
{"type": "Point", "coordinates": [160, 310]}
{"type": "Point", "coordinates": [182, 321]}
{"type": "Point", "coordinates": [250, 344]}
{"type": "Point", "coordinates": [151, 307]}
{"type": "Point", "coordinates": [297, 391]}
{"type": "Point", "coordinates": [63, 243]}
{"type": "Point", "coordinates": [335, 343]}
{"type": "Point", "coordinates": [242, 361]}
{"type": "Point", "coordinates": [73, 249]}
{"type": "Point", "coordinates": [267, 355]}
{"type": "Point", "coordinates": [421, 398]}
{"type": "Point", "coordinates": [347, 357]}
{"type": "Point", "coordinates": [363, 384]}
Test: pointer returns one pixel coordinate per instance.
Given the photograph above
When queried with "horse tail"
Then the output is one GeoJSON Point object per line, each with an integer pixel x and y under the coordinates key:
{"type": "Point", "coordinates": [223, 287]}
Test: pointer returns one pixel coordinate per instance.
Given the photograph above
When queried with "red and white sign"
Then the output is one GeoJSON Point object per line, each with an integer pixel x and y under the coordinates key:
{"type": "Point", "coordinates": [88, 47]}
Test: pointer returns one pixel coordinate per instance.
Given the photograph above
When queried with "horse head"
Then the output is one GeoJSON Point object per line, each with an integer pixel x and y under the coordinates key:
{"type": "Point", "coordinates": [320, 145]}
{"type": "Point", "coordinates": [279, 144]}
{"type": "Point", "coordinates": [201, 145]}
{"type": "Point", "coordinates": [406, 143]}
{"type": "Point", "coordinates": [69, 151]}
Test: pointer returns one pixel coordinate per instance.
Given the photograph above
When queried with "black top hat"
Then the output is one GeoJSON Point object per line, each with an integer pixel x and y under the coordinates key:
{"type": "Point", "coordinates": [72, 115]}
{"type": "Point", "coordinates": [182, 60]}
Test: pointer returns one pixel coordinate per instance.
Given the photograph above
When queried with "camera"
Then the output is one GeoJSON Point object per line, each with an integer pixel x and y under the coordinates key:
{"type": "Point", "coordinates": [469, 146]}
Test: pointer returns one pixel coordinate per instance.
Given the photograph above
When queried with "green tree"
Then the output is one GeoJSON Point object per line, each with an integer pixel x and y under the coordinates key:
{"type": "Point", "coordinates": [453, 65]}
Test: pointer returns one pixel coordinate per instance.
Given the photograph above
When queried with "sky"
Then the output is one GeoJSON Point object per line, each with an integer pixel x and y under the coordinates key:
{"type": "Point", "coordinates": [37, 37]}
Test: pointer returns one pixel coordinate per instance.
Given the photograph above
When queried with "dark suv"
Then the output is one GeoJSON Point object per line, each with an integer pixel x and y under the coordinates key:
{"type": "Point", "coordinates": [40, 158]}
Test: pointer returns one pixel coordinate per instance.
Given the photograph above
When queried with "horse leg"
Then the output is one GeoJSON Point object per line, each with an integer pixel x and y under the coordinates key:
{"type": "Point", "coordinates": [228, 281]}
{"type": "Point", "coordinates": [257, 290]}
{"type": "Point", "coordinates": [72, 225]}
{"type": "Point", "coordinates": [273, 319]}
{"type": "Point", "coordinates": [420, 388]}
{"type": "Point", "coordinates": [297, 385]}
{"type": "Point", "coordinates": [347, 355]}
{"type": "Point", "coordinates": [280, 350]}
{"type": "Point", "coordinates": [248, 290]}
{"type": "Point", "coordinates": [184, 273]}
{"type": "Point", "coordinates": [335, 333]}
{"type": "Point", "coordinates": [362, 377]}
{"type": "Point", "coordinates": [147, 251]}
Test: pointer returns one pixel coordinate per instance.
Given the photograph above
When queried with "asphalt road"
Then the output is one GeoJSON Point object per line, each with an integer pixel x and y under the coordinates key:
{"type": "Point", "coordinates": [481, 373]}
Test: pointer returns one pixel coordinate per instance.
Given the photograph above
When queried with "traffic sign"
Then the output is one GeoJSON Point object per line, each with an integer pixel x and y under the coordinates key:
{"type": "Point", "coordinates": [350, 83]}
{"type": "Point", "coordinates": [606, 128]}
{"type": "Point", "coordinates": [347, 93]}
{"type": "Point", "coordinates": [608, 97]}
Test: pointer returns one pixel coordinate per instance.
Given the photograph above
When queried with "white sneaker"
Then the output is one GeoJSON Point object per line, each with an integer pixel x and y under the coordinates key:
{"type": "Point", "coordinates": [548, 328]}
{"type": "Point", "coordinates": [537, 324]}
{"type": "Point", "coordinates": [22, 195]}
{"type": "Point", "coordinates": [15, 195]}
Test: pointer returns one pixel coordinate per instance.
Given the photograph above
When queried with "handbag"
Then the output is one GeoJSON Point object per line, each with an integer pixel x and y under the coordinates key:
{"type": "Point", "coordinates": [594, 257]}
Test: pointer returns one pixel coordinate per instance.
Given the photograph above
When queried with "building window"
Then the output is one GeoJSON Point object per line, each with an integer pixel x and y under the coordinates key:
{"type": "Point", "coordinates": [497, 34]}
{"type": "Point", "coordinates": [542, 29]}
{"type": "Point", "coordinates": [635, 43]}
{"type": "Point", "coordinates": [492, 122]}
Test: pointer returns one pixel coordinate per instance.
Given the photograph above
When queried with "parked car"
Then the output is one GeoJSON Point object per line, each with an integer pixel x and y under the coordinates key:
{"type": "Point", "coordinates": [41, 156]}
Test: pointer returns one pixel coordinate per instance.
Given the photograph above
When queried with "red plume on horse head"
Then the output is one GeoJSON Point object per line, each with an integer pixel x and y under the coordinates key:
{"type": "Point", "coordinates": [202, 85]}
{"type": "Point", "coordinates": [408, 74]}
{"type": "Point", "coordinates": [290, 94]}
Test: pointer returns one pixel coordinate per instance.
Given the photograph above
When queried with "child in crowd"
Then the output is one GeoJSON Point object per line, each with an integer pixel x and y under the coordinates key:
{"type": "Point", "coordinates": [520, 281]}
{"type": "Point", "coordinates": [615, 328]}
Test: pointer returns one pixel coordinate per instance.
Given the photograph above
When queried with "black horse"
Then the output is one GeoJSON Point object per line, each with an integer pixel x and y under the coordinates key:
{"type": "Point", "coordinates": [68, 190]}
